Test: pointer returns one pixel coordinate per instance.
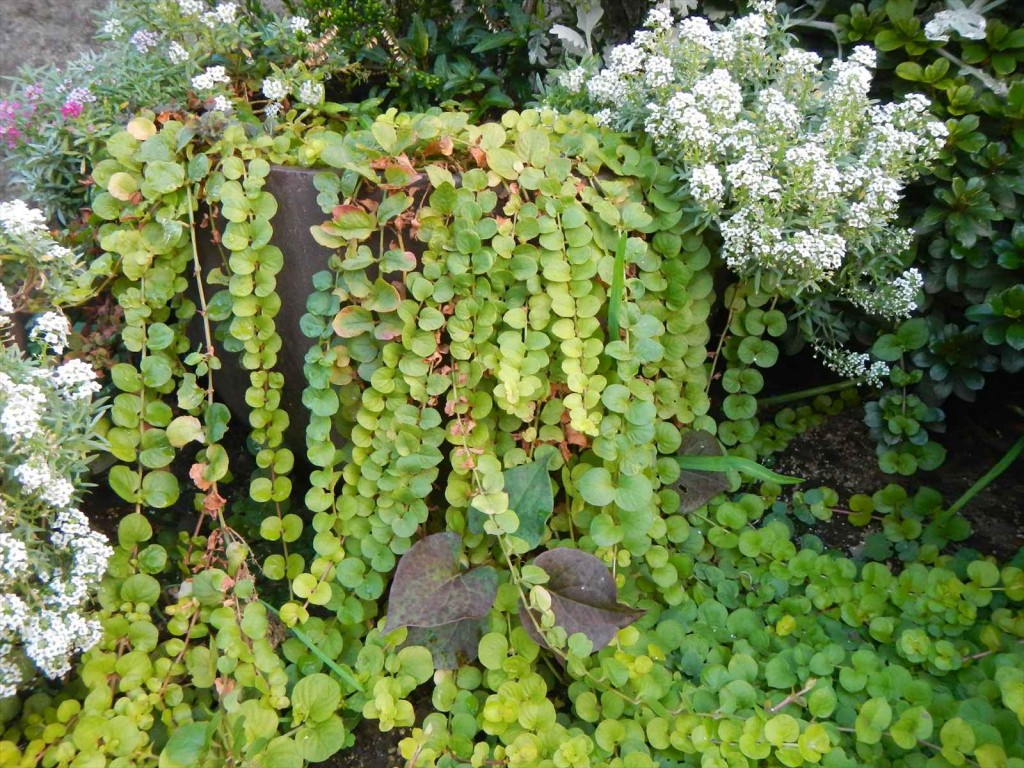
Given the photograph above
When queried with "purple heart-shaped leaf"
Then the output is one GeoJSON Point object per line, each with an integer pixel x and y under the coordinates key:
{"type": "Point", "coordinates": [429, 589]}
{"type": "Point", "coordinates": [697, 487]}
{"type": "Point", "coordinates": [583, 597]}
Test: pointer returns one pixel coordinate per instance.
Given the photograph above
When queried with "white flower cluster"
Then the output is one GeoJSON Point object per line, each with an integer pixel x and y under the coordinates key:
{"type": "Point", "coordinates": [707, 186]}
{"type": "Point", "coordinates": [22, 409]}
{"type": "Point", "coordinates": [275, 89]}
{"type": "Point", "coordinates": [16, 218]}
{"type": "Point", "coordinates": [573, 80]}
{"type": "Point", "coordinates": [299, 25]}
{"type": "Point", "coordinates": [854, 365]}
{"type": "Point", "coordinates": [13, 557]}
{"type": "Point", "coordinates": [45, 583]}
{"type": "Point", "coordinates": [801, 170]}
{"type": "Point", "coordinates": [113, 28]}
{"type": "Point", "coordinates": [209, 79]}
{"type": "Point", "coordinates": [52, 329]}
{"type": "Point", "coordinates": [75, 379]}
{"type": "Point", "coordinates": [176, 53]}
{"type": "Point", "coordinates": [894, 300]}
{"type": "Point", "coordinates": [311, 92]}
{"type": "Point", "coordinates": [222, 103]}
{"type": "Point", "coordinates": [46, 269]}
{"type": "Point", "coordinates": [224, 13]}
{"type": "Point", "coordinates": [190, 7]}
{"type": "Point", "coordinates": [144, 40]}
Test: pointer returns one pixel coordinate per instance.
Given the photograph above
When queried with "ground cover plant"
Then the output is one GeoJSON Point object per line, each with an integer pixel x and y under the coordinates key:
{"type": "Point", "coordinates": [528, 489]}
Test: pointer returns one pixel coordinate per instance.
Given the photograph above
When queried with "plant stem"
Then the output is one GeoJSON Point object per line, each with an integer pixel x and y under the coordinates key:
{"type": "Point", "coordinates": [805, 394]}
{"type": "Point", "coordinates": [983, 482]}
{"type": "Point", "coordinates": [721, 340]}
{"type": "Point", "coordinates": [793, 698]}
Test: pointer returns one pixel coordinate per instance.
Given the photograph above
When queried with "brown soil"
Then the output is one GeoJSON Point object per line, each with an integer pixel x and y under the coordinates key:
{"type": "Point", "coordinates": [840, 454]}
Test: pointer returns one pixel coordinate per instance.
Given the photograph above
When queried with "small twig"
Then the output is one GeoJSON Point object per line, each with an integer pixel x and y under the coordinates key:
{"type": "Point", "coordinates": [794, 698]}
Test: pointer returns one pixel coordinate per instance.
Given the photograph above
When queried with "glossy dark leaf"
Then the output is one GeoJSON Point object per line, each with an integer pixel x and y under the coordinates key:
{"type": "Point", "coordinates": [429, 589]}
{"type": "Point", "coordinates": [697, 487]}
{"type": "Point", "coordinates": [583, 597]}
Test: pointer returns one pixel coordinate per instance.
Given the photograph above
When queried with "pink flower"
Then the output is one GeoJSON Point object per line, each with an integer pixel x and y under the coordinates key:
{"type": "Point", "coordinates": [9, 112]}
{"type": "Point", "coordinates": [9, 135]}
{"type": "Point", "coordinates": [71, 109]}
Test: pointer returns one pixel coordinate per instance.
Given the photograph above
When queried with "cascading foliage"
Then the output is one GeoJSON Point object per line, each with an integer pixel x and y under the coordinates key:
{"type": "Point", "coordinates": [511, 384]}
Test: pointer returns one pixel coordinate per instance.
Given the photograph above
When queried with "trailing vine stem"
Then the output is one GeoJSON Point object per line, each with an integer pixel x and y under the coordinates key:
{"type": "Point", "coordinates": [732, 309]}
{"type": "Point", "coordinates": [517, 579]}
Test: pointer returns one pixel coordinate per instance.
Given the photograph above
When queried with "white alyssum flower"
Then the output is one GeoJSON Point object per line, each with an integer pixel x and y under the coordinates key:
{"type": "Point", "coordinates": [892, 300]}
{"type": "Point", "coordinates": [10, 670]}
{"type": "Point", "coordinates": [16, 218]}
{"type": "Point", "coordinates": [52, 329]}
{"type": "Point", "coordinates": [6, 305]}
{"type": "Point", "coordinates": [190, 7]}
{"type": "Point", "coordinates": [807, 170]}
{"type": "Point", "coordinates": [21, 409]}
{"type": "Point", "coordinates": [627, 58]}
{"type": "Point", "coordinates": [850, 85]}
{"type": "Point", "coordinates": [208, 79]}
{"type": "Point", "coordinates": [311, 92]}
{"type": "Point", "coordinates": [83, 95]}
{"type": "Point", "coordinates": [70, 531]}
{"type": "Point", "coordinates": [854, 365]}
{"type": "Point", "coordinates": [659, 72]}
{"type": "Point", "coordinates": [272, 110]}
{"type": "Point", "coordinates": [226, 12]}
{"type": "Point", "coordinates": [275, 89]}
{"type": "Point", "coordinates": [58, 252]}
{"type": "Point", "coordinates": [573, 80]}
{"type": "Point", "coordinates": [299, 24]}
{"type": "Point", "coordinates": [718, 95]}
{"type": "Point", "coordinates": [75, 379]}
{"type": "Point", "coordinates": [176, 53]}
{"type": "Point", "coordinates": [222, 103]}
{"type": "Point", "coordinates": [864, 55]}
{"type": "Point", "coordinates": [697, 31]}
{"type": "Point", "coordinates": [113, 28]}
{"type": "Point", "coordinates": [13, 558]}
{"type": "Point", "coordinates": [797, 61]}
{"type": "Point", "coordinates": [706, 185]}
{"type": "Point", "coordinates": [33, 474]}
{"type": "Point", "coordinates": [51, 638]}
{"type": "Point", "coordinates": [144, 40]}
{"type": "Point", "coordinates": [13, 614]}
{"type": "Point", "coordinates": [659, 18]}
{"type": "Point", "coordinates": [778, 112]}
{"type": "Point", "coordinates": [58, 493]}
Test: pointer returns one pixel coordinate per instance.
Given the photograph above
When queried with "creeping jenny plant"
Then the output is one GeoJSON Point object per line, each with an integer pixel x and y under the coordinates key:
{"type": "Point", "coordinates": [509, 384]}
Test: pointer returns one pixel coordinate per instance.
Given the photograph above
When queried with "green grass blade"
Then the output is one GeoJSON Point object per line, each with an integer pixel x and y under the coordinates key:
{"type": "Point", "coordinates": [983, 482]}
{"type": "Point", "coordinates": [617, 289]}
{"type": "Point", "coordinates": [307, 641]}
{"type": "Point", "coordinates": [744, 466]}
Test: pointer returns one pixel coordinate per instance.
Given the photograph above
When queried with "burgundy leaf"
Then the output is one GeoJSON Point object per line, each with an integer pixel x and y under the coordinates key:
{"type": "Point", "coordinates": [583, 597]}
{"type": "Point", "coordinates": [695, 487]}
{"type": "Point", "coordinates": [429, 589]}
{"type": "Point", "coordinates": [450, 644]}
